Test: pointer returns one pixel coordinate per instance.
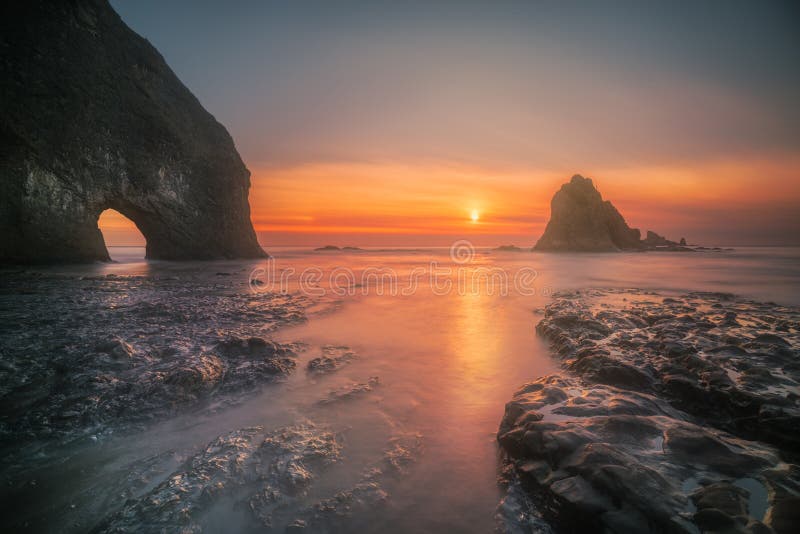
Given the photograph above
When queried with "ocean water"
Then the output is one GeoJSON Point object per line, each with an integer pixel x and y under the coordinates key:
{"type": "Point", "coordinates": [443, 337]}
{"type": "Point", "coordinates": [762, 273]}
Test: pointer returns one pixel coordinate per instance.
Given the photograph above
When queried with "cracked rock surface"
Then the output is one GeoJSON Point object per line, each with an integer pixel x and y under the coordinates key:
{"type": "Point", "coordinates": [87, 356]}
{"type": "Point", "coordinates": [673, 414]}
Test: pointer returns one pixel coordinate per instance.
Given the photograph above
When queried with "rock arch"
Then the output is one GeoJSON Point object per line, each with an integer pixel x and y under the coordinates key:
{"type": "Point", "coordinates": [119, 231]}
{"type": "Point", "coordinates": [91, 117]}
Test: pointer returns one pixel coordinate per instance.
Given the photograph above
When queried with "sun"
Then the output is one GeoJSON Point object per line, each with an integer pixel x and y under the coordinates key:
{"type": "Point", "coordinates": [475, 216]}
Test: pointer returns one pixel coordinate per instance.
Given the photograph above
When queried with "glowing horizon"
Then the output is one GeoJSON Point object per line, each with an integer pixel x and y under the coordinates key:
{"type": "Point", "coordinates": [433, 203]}
{"type": "Point", "coordinates": [391, 204]}
{"type": "Point", "coordinates": [392, 123]}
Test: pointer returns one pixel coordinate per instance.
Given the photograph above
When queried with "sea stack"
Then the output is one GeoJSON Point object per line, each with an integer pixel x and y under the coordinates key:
{"type": "Point", "coordinates": [91, 118]}
{"type": "Point", "coordinates": [581, 221]}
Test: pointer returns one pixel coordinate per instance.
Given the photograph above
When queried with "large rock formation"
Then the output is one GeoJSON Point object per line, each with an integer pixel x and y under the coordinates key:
{"type": "Point", "coordinates": [672, 414]}
{"type": "Point", "coordinates": [581, 221]}
{"type": "Point", "coordinates": [91, 117]}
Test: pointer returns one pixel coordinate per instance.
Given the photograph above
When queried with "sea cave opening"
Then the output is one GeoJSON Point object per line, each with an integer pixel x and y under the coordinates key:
{"type": "Point", "coordinates": [123, 239]}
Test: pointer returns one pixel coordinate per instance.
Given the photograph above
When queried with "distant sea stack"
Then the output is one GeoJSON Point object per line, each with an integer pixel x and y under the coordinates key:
{"type": "Point", "coordinates": [91, 117]}
{"type": "Point", "coordinates": [581, 221]}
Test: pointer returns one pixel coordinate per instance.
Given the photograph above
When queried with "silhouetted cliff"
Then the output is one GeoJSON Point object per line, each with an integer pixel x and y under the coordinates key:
{"type": "Point", "coordinates": [91, 117]}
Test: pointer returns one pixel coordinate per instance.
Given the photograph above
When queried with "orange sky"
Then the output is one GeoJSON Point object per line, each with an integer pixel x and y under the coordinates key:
{"type": "Point", "coordinates": [388, 123]}
{"type": "Point", "coordinates": [431, 204]}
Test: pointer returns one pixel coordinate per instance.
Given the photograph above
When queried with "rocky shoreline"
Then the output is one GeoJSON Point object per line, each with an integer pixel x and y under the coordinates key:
{"type": "Point", "coordinates": [86, 357]}
{"type": "Point", "coordinates": [673, 414]}
{"type": "Point", "coordinates": [90, 361]}
{"type": "Point", "coordinates": [268, 472]}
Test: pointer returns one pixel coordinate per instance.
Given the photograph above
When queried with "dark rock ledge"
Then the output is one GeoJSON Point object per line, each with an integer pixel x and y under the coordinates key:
{"type": "Point", "coordinates": [89, 358]}
{"type": "Point", "coordinates": [676, 414]}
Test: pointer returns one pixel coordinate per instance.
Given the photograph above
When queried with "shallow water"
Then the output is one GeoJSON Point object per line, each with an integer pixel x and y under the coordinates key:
{"type": "Point", "coordinates": [446, 362]}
